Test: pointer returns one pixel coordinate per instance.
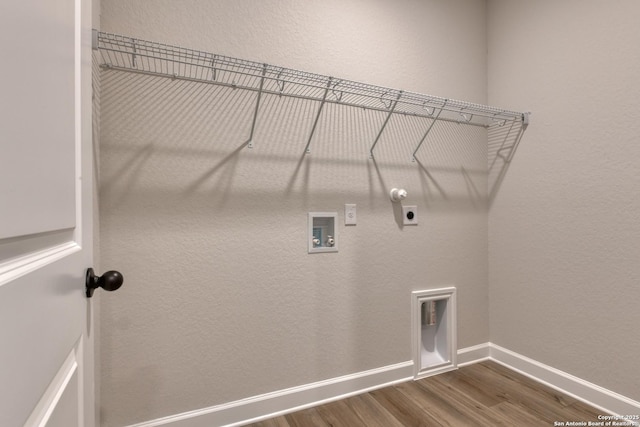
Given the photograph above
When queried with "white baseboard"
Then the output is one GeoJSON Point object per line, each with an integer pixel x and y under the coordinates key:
{"type": "Point", "coordinates": [280, 402]}
{"type": "Point", "coordinates": [474, 354]}
{"type": "Point", "coordinates": [600, 398]}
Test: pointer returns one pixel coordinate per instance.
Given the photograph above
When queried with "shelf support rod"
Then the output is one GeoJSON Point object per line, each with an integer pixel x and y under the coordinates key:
{"type": "Point", "coordinates": [424, 137]}
{"type": "Point", "coordinates": [213, 67]}
{"type": "Point", "coordinates": [133, 54]}
{"type": "Point", "coordinates": [255, 111]}
{"type": "Point", "coordinates": [504, 147]}
{"type": "Point", "coordinates": [392, 108]}
{"type": "Point", "coordinates": [525, 119]}
{"type": "Point", "coordinates": [315, 123]}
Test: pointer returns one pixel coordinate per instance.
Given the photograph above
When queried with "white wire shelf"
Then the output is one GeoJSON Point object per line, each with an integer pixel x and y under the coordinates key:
{"type": "Point", "coordinates": [123, 53]}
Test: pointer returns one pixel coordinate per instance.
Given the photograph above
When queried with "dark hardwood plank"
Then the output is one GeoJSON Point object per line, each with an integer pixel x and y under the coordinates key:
{"type": "Point", "coordinates": [403, 409]}
{"type": "Point", "coordinates": [339, 413]}
{"type": "Point", "coordinates": [371, 412]}
{"type": "Point", "coordinates": [306, 418]}
{"type": "Point", "coordinates": [476, 389]}
{"type": "Point", "coordinates": [541, 401]}
{"type": "Point", "coordinates": [584, 411]}
{"type": "Point", "coordinates": [457, 405]}
{"type": "Point", "coordinates": [515, 415]}
{"type": "Point", "coordinates": [483, 394]}
{"type": "Point", "coordinates": [273, 422]}
{"type": "Point", "coordinates": [447, 413]}
{"type": "Point", "coordinates": [529, 384]}
{"type": "Point", "coordinates": [579, 411]}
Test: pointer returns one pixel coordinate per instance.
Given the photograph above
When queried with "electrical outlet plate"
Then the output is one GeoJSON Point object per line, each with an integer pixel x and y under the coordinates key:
{"type": "Point", "coordinates": [349, 214]}
{"type": "Point", "coordinates": [409, 215]}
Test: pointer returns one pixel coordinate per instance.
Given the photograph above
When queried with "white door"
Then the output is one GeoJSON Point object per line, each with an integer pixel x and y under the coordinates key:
{"type": "Point", "coordinates": [46, 328]}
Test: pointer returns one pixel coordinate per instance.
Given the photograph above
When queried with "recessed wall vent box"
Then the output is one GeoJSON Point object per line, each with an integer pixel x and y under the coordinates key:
{"type": "Point", "coordinates": [434, 331]}
{"type": "Point", "coordinates": [323, 233]}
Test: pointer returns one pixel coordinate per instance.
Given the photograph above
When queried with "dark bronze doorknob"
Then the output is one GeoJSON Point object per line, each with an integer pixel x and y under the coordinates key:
{"type": "Point", "coordinates": [109, 281]}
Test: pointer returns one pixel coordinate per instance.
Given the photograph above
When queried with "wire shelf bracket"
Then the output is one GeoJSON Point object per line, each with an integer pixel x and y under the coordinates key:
{"type": "Point", "coordinates": [424, 137]}
{"type": "Point", "coordinates": [307, 150]}
{"type": "Point", "coordinates": [255, 112]}
{"type": "Point", "coordinates": [392, 108]}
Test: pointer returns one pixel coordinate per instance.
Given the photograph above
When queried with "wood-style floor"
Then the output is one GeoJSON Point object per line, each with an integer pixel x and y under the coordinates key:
{"type": "Point", "coordinates": [483, 394]}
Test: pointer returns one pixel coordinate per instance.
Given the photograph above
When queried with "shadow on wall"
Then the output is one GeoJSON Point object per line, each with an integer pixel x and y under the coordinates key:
{"type": "Point", "coordinates": [502, 142]}
{"type": "Point", "coordinates": [205, 130]}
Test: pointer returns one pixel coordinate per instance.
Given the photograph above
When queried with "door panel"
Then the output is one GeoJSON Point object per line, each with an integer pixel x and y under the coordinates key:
{"type": "Point", "coordinates": [37, 85]}
{"type": "Point", "coordinates": [60, 402]}
{"type": "Point", "coordinates": [42, 317]}
{"type": "Point", "coordinates": [46, 327]}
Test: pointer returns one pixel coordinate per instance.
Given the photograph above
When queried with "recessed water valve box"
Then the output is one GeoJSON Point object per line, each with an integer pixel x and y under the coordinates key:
{"type": "Point", "coordinates": [409, 215]}
{"type": "Point", "coordinates": [323, 233]}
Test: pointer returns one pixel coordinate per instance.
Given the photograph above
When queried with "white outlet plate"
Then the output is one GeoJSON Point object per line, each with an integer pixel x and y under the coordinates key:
{"type": "Point", "coordinates": [409, 215]}
{"type": "Point", "coordinates": [350, 214]}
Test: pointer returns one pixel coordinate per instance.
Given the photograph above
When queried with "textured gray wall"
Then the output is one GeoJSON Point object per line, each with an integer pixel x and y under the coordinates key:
{"type": "Point", "coordinates": [222, 301]}
{"type": "Point", "coordinates": [564, 229]}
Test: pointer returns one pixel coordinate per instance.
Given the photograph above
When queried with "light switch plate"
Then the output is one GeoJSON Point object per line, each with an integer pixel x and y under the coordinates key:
{"type": "Point", "coordinates": [349, 214]}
